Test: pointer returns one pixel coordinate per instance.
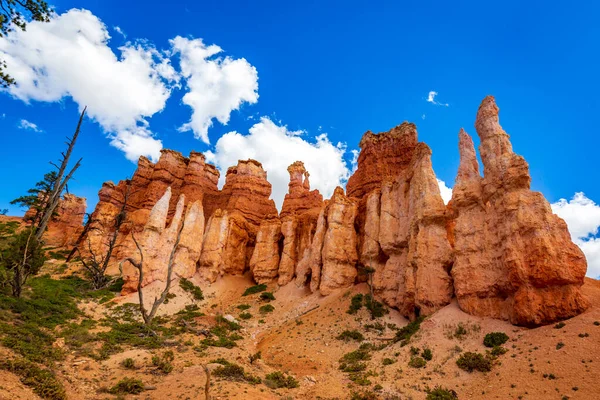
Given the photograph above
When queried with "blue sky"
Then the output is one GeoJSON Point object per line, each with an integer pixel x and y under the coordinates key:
{"type": "Point", "coordinates": [339, 68]}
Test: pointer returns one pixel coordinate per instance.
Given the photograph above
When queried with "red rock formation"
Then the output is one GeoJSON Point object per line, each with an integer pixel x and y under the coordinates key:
{"type": "Point", "coordinates": [514, 259]}
{"type": "Point", "coordinates": [66, 225]}
{"type": "Point", "coordinates": [299, 214]}
{"type": "Point", "coordinates": [264, 263]}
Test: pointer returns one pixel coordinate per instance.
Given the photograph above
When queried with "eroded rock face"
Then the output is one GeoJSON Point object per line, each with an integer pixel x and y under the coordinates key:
{"type": "Point", "coordinates": [158, 243]}
{"type": "Point", "coordinates": [514, 259]}
{"type": "Point", "coordinates": [66, 225]}
{"type": "Point", "coordinates": [403, 236]}
{"type": "Point", "coordinates": [264, 263]}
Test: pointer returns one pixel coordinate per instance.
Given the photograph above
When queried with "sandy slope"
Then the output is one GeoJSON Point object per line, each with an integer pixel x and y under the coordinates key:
{"type": "Point", "coordinates": [305, 346]}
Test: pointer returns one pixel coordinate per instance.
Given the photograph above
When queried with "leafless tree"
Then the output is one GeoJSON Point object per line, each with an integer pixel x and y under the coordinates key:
{"type": "Point", "coordinates": [96, 265]}
{"type": "Point", "coordinates": [139, 265]}
{"type": "Point", "coordinates": [61, 181]}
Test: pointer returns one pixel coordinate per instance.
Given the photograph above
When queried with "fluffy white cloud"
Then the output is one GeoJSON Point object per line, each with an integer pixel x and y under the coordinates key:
{"type": "Point", "coordinates": [583, 218]}
{"type": "Point", "coordinates": [70, 57]}
{"type": "Point", "coordinates": [28, 126]}
{"type": "Point", "coordinates": [217, 86]}
{"type": "Point", "coordinates": [431, 99]}
{"type": "Point", "coordinates": [445, 191]}
{"type": "Point", "coordinates": [276, 148]}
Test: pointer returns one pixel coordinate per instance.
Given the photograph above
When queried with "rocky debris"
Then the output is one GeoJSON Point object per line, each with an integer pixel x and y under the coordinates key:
{"type": "Point", "coordinates": [66, 225]}
{"type": "Point", "coordinates": [514, 259]}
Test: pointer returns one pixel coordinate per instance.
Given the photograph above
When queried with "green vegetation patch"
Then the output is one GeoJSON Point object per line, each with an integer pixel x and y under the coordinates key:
{"type": "Point", "coordinates": [356, 303]}
{"type": "Point", "coordinates": [495, 339]}
{"type": "Point", "coordinates": [255, 289]}
{"type": "Point", "coordinates": [192, 289]}
{"type": "Point", "coordinates": [351, 335]}
{"type": "Point", "coordinates": [440, 393]}
{"type": "Point", "coordinates": [42, 381]}
{"type": "Point", "coordinates": [404, 334]}
{"type": "Point", "coordinates": [276, 380]}
{"type": "Point", "coordinates": [267, 308]}
{"type": "Point", "coordinates": [474, 362]}
{"type": "Point", "coordinates": [128, 386]}
{"type": "Point", "coordinates": [234, 372]}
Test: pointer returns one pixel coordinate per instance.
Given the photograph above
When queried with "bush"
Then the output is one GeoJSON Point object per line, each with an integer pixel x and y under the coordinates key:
{"type": "Point", "coordinates": [351, 335]}
{"type": "Point", "coordinates": [267, 296]}
{"type": "Point", "coordinates": [243, 307]}
{"type": "Point", "coordinates": [355, 304]}
{"type": "Point", "coordinates": [440, 393]}
{"type": "Point", "coordinates": [128, 386]}
{"type": "Point", "coordinates": [427, 354]}
{"type": "Point", "coordinates": [498, 351]}
{"type": "Point", "coordinates": [388, 361]}
{"type": "Point", "coordinates": [353, 366]}
{"type": "Point", "coordinates": [234, 372]}
{"type": "Point", "coordinates": [276, 380]}
{"type": "Point", "coordinates": [267, 308]}
{"type": "Point", "coordinates": [414, 350]}
{"type": "Point", "coordinates": [245, 315]}
{"type": "Point", "coordinates": [495, 339]}
{"type": "Point", "coordinates": [255, 356]}
{"type": "Point", "coordinates": [255, 289]}
{"type": "Point", "coordinates": [42, 381]}
{"type": "Point", "coordinates": [376, 308]}
{"type": "Point", "coordinates": [474, 362]}
{"type": "Point", "coordinates": [192, 289]}
{"type": "Point", "coordinates": [417, 362]}
{"type": "Point", "coordinates": [405, 333]}
{"type": "Point", "coordinates": [560, 345]}
{"type": "Point", "coordinates": [163, 363]}
{"type": "Point", "coordinates": [128, 363]}
{"type": "Point", "coordinates": [560, 325]}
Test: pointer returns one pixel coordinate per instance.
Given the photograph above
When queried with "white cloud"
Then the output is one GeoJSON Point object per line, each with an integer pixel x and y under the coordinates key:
{"type": "Point", "coordinates": [120, 31]}
{"type": "Point", "coordinates": [276, 148]}
{"type": "Point", "coordinates": [583, 218]}
{"type": "Point", "coordinates": [445, 191]}
{"type": "Point", "coordinates": [28, 126]}
{"type": "Point", "coordinates": [217, 86]}
{"type": "Point", "coordinates": [431, 99]}
{"type": "Point", "coordinates": [69, 57]}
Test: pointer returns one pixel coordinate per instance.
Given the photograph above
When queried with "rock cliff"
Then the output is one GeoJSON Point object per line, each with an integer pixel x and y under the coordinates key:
{"type": "Point", "coordinates": [66, 225]}
{"type": "Point", "coordinates": [497, 247]}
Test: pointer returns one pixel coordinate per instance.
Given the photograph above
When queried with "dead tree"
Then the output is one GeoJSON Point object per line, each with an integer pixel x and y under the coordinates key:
{"type": "Point", "coordinates": [94, 264]}
{"type": "Point", "coordinates": [207, 384]}
{"type": "Point", "coordinates": [139, 265]}
{"type": "Point", "coordinates": [61, 181]}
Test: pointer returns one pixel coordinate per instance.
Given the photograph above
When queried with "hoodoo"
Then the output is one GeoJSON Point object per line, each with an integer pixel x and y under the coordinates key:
{"type": "Point", "coordinates": [497, 247]}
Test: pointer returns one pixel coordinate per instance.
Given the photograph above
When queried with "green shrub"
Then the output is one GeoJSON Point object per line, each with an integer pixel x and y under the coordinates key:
{"type": "Point", "coordinates": [192, 289]}
{"type": "Point", "coordinates": [163, 363]}
{"type": "Point", "coordinates": [414, 350]}
{"type": "Point", "coordinates": [427, 354]}
{"type": "Point", "coordinates": [404, 334]}
{"type": "Point", "coordinates": [388, 361]}
{"type": "Point", "coordinates": [42, 381]}
{"type": "Point", "coordinates": [351, 335]}
{"type": "Point", "coordinates": [128, 363]}
{"type": "Point", "coordinates": [376, 308]}
{"type": "Point", "coordinates": [255, 356]}
{"type": "Point", "coordinates": [360, 379]}
{"type": "Point", "coordinates": [229, 325]}
{"type": "Point", "coordinates": [560, 325]}
{"type": "Point", "coordinates": [221, 361]}
{"type": "Point", "coordinates": [352, 366]}
{"type": "Point", "coordinates": [474, 362]}
{"type": "Point", "coordinates": [128, 386]}
{"type": "Point", "coordinates": [364, 396]}
{"type": "Point", "coordinates": [245, 315]}
{"type": "Point", "coordinates": [440, 393]}
{"type": "Point", "coordinates": [417, 362]}
{"type": "Point", "coordinates": [244, 307]}
{"type": "Point", "coordinates": [560, 345]}
{"type": "Point", "coordinates": [460, 331]}
{"type": "Point", "coordinates": [355, 304]}
{"type": "Point", "coordinates": [267, 308]}
{"type": "Point", "coordinates": [495, 339]}
{"type": "Point", "coordinates": [267, 296]}
{"type": "Point", "coordinates": [276, 380]}
{"type": "Point", "coordinates": [498, 351]}
{"type": "Point", "coordinates": [234, 372]}
{"type": "Point", "coordinates": [356, 355]}
{"type": "Point", "coordinates": [255, 289]}
{"type": "Point", "coordinates": [377, 326]}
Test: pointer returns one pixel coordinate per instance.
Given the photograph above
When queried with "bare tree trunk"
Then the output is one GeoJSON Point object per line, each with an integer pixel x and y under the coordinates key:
{"type": "Point", "coordinates": [149, 316]}
{"type": "Point", "coordinates": [60, 183]}
{"type": "Point", "coordinates": [207, 384]}
{"type": "Point", "coordinates": [20, 277]}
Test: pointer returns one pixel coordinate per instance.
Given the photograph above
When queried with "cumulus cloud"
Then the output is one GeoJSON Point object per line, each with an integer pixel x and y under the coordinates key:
{"type": "Point", "coordinates": [276, 148]}
{"type": "Point", "coordinates": [216, 85]}
{"type": "Point", "coordinates": [445, 191]}
{"type": "Point", "coordinates": [431, 99]}
{"type": "Point", "coordinates": [28, 126]}
{"type": "Point", "coordinates": [69, 57]}
{"type": "Point", "coordinates": [583, 218]}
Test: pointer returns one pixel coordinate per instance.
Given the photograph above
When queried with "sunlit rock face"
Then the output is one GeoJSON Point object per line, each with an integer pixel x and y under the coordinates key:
{"type": "Point", "coordinates": [66, 225]}
{"type": "Point", "coordinates": [514, 259]}
{"type": "Point", "coordinates": [496, 246]}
